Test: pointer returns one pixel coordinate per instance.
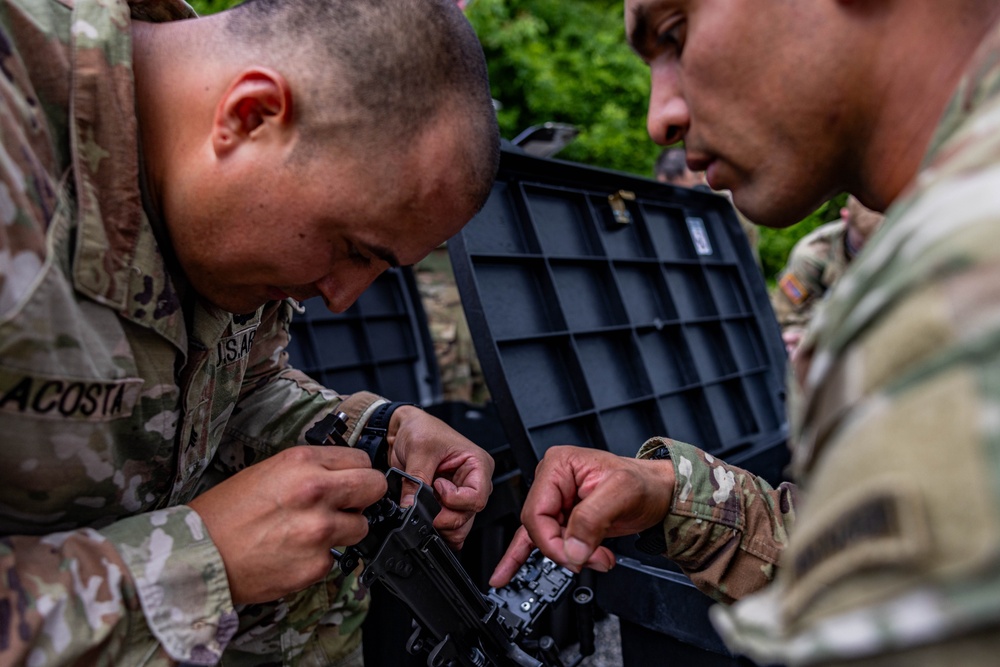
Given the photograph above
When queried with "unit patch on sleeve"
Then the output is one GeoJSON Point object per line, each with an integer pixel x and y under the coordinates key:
{"type": "Point", "coordinates": [796, 292]}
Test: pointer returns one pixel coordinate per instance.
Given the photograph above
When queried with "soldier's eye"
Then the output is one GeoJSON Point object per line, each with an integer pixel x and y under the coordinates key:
{"type": "Point", "coordinates": [672, 39]}
{"type": "Point", "coordinates": [355, 256]}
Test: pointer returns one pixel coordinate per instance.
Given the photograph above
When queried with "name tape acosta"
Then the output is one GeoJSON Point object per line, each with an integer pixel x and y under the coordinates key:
{"type": "Point", "coordinates": [97, 400]}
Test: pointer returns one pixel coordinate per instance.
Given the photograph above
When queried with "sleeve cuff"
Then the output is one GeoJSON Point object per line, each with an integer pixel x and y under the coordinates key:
{"type": "Point", "coordinates": [358, 407]}
{"type": "Point", "coordinates": [704, 510]}
{"type": "Point", "coordinates": [181, 582]}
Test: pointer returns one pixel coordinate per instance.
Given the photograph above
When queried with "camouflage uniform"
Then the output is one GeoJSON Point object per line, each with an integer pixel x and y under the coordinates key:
{"type": "Point", "coordinates": [122, 395]}
{"type": "Point", "coordinates": [816, 262]}
{"type": "Point", "coordinates": [461, 374]}
{"type": "Point", "coordinates": [896, 437]}
{"type": "Point", "coordinates": [752, 232]}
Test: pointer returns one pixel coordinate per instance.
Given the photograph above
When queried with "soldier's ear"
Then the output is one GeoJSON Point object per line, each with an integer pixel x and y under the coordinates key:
{"type": "Point", "coordinates": [256, 106]}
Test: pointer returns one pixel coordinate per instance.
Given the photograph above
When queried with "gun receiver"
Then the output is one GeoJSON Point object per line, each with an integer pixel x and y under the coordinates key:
{"type": "Point", "coordinates": [456, 625]}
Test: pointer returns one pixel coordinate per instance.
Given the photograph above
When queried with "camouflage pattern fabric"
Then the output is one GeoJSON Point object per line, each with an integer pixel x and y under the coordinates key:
{"type": "Point", "coordinates": [752, 233]}
{"type": "Point", "coordinates": [896, 428]}
{"type": "Point", "coordinates": [461, 374]}
{"type": "Point", "coordinates": [727, 527]}
{"type": "Point", "coordinates": [750, 230]}
{"type": "Point", "coordinates": [816, 262]}
{"type": "Point", "coordinates": [122, 396]}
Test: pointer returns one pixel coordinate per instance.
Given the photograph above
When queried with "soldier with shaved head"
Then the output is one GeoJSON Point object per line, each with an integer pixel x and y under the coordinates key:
{"type": "Point", "coordinates": [170, 187]}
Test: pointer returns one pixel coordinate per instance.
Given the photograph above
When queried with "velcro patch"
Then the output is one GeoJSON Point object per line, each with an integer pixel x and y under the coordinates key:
{"type": "Point", "coordinates": [881, 526]}
{"type": "Point", "coordinates": [70, 398]}
{"type": "Point", "coordinates": [796, 292]}
{"type": "Point", "coordinates": [236, 347]}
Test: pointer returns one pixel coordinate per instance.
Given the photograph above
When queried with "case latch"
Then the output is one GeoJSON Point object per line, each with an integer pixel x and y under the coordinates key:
{"type": "Point", "coordinates": [618, 207]}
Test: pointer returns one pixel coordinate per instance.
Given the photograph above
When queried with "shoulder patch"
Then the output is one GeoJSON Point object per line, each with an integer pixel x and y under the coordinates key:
{"type": "Point", "coordinates": [793, 288]}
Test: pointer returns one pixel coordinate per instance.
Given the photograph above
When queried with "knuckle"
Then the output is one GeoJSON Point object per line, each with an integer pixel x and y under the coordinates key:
{"type": "Point", "coordinates": [310, 490]}
{"type": "Point", "coordinates": [620, 479]}
{"type": "Point", "coordinates": [484, 500]}
{"type": "Point", "coordinates": [297, 455]}
{"type": "Point", "coordinates": [356, 529]}
{"type": "Point", "coordinates": [526, 515]}
{"type": "Point", "coordinates": [315, 533]}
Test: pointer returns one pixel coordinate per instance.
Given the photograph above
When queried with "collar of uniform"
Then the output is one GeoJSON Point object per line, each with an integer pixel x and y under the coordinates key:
{"type": "Point", "coordinates": [210, 324]}
{"type": "Point", "coordinates": [116, 263]}
{"type": "Point", "coordinates": [979, 83]}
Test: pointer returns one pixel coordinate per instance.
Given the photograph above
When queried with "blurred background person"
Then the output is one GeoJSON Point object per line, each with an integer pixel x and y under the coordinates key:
{"type": "Point", "coordinates": [671, 167]}
{"type": "Point", "coordinates": [815, 264]}
{"type": "Point", "coordinates": [461, 374]}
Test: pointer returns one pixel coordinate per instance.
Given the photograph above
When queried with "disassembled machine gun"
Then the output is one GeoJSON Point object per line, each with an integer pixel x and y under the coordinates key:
{"type": "Point", "coordinates": [455, 624]}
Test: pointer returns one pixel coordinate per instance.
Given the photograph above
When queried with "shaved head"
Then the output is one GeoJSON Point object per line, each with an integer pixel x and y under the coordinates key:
{"type": "Point", "coordinates": [374, 75]}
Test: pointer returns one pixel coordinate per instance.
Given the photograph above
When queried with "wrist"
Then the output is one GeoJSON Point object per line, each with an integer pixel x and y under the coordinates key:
{"type": "Point", "coordinates": [375, 436]}
{"type": "Point", "coordinates": [660, 495]}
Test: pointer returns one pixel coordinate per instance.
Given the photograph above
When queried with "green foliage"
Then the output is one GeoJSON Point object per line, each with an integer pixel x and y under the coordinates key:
{"type": "Point", "coordinates": [552, 60]}
{"type": "Point", "coordinates": [212, 6]}
{"type": "Point", "coordinates": [568, 62]}
{"type": "Point", "coordinates": [776, 244]}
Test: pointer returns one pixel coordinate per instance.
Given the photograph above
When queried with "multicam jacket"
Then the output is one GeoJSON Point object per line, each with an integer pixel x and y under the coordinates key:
{"type": "Point", "coordinates": [895, 432]}
{"type": "Point", "coordinates": [120, 399]}
{"type": "Point", "coordinates": [816, 262]}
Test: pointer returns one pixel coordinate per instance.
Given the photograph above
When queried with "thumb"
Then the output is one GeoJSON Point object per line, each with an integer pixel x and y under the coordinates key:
{"type": "Point", "coordinates": [597, 516]}
{"type": "Point", "coordinates": [577, 551]}
{"type": "Point", "coordinates": [585, 530]}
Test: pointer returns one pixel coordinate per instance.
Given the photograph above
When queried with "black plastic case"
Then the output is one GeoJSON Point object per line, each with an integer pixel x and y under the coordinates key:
{"type": "Point", "coordinates": [602, 329]}
{"type": "Point", "coordinates": [607, 309]}
{"type": "Point", "coordinates": [380, 344]}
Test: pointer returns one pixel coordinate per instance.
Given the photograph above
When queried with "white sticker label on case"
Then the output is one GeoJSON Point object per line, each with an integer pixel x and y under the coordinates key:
{"type": "Point", "coordinates": [699, 236]}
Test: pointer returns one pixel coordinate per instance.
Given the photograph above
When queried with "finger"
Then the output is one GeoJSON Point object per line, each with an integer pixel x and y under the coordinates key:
{"type": "Point", "coordinates": [349, 530]}
{"type": "Point", "coordinates": [456, 538]}
{"type": "Point", "coordinates": [421, 467]}
{"type": "Point", "coordinates": [466, 470]}
{"type": "Point", "coordinates": [546, 532]}
{"type": "Point", "coordinates": [516, 555]}
{"type": "Point", "coordinates": [408, 489]}
{"type": "Point", "coordinates": [544, 510]}
{"type": "Point", "coordinates": [602, 560]}
{"type": "Point", "coordinates": [465, 498]}
{"type": "Point", "coordinates": [408, 493]}
{"type": "Point", "coordinates": [354, 489]}
{"type": "Point", "coordinates": [454, 527]}
{"type": "Point", "coordinates": [451, 520]}
{"type": "Point", "coordinates": [459, 506]}
{"type": "Point", "coordinates": [470, 494]}
{"type": "Point", "coordinates": [607, 511]}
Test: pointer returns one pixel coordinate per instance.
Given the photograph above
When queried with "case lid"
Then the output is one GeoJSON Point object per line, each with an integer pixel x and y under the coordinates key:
{"type": "Point", "coordinates": [380, 344]}
{"type": "Point", "coordinates": [608, 308]}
